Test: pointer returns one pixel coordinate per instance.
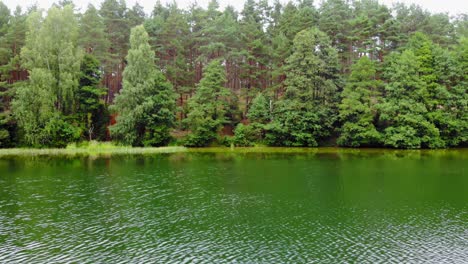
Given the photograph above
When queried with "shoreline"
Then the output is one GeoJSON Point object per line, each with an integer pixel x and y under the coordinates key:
{"type": "Point", "coordinates": [115, 151]}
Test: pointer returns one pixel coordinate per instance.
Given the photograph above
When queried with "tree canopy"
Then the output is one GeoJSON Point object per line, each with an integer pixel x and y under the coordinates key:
{"type": "Point", "coordinates": [347, 73]}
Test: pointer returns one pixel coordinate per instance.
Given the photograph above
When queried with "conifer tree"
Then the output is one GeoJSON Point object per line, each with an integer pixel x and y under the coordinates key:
{"type": "Point", "coordinates": [92, 111]}
{"type": "Point", "coordinates": [456, 132]}
{"type": "Point", "coordinates": [259, 111]}
{"type": "Point", "coordinates": [357, 108]}
{"type": "Point", "coordinates": [307, 111]}
{"type": "Point", "coordinates": [209, 107]}
{"type": "Point", "coordinates": [12, 37]}
{"type": "Point", "coordinates": [93, 36]}
{"type": "Point", "coordinates": [146, 103]}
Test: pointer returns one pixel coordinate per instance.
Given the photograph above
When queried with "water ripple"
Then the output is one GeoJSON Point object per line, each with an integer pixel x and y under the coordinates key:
{"type": "Point", "coordinates": [191, 212]}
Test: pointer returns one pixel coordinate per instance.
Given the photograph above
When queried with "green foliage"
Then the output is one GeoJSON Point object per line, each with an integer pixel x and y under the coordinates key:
{"type": "Point", "coordinates": [259, 111]}
{"type": "Point", "coordinates": [403, 110]}
{"type": "Point", "coordinates": [307, 111]}
{"type": "Point", "coordinates": [248, 135]}
{"type": "Point", "coordinates": [33, 106]}
{"type": "Point", "coordinates": [259, 115]}
{"type": "Point", "coordinates": [92, 111]}
{"type": "Point", "coordinates": [209, 107]}
{"type": "Point", "coordinates": [455, 130]}
{"type": "Point", "coordinates": [146, 103]}
{"type": "Point", "coordinates": [51, 56]}
{"type": "Point", "coordinates": [294, 127]}
{"type": "Point", "coordinates": [58, 132]}
{"type": "Point", "coordinates": [203, 136]}
{"type": "Point", "coordinates": [117, 31]}
{"type": "Point", "coordinates": [335, 16]}
{"type": "Point", "coordinates": [54, 49]}
{"type": "Point", "coordinates": [266, 66]}
{"type": "Point", "coordinates": [8, 130]}
{"type": "Point", "coordinates": [357, 108]}
{"type": "Point", "coordinates": [93, 35]}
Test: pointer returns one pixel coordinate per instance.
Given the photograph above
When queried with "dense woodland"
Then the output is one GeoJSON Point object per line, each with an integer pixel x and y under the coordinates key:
{"type": "Point", "coordinates": [347, 73]}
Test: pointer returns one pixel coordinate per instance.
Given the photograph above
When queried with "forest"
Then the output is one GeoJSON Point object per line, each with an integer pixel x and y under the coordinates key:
{"type": "Point", "coordinates": [341, 73]}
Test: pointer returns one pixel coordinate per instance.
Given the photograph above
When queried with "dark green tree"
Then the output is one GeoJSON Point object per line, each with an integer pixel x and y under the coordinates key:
{"type": "Point", "coordinates": [136, 15]}
{"type": "Point", "coordinates": [259, 111]}
{"type": "Point", "coordinates": [335, 21]}
{"type": "Point", "coordinates": [357, 108]}
{"type": "Point", "coordinates": [92, 110]}
{"type": "Point", "coordinates": [117, 32]}
{"type": "Point", "coordinates": [209, 106]}
{"type": "Point", "coordinates": [403, 111]}
{"type": "Point", "coordinates": [455, 133]}
{"type": "Point", "coordinates": [307, 111]}
{"type": "Point", "coordinates": [259, 115]}
{"type": "Point", "coordinates": [93, 37]}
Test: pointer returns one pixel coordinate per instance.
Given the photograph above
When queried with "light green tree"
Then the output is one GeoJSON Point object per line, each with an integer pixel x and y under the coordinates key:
{"type": "Point", "coordinates": [52, 59]}
{"type": "Point", "coordinates": [146, 103]}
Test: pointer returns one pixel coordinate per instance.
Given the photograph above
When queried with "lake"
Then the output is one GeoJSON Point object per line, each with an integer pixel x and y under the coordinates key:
{"type": "Point", "coordinates": [222, 206]}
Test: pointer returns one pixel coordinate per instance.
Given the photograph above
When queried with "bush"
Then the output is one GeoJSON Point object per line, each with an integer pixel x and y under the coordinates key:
{"type": "Point", "coordinates": [247, 135]}
{"type": "Point", "coordinates": [157, 137]}
{"type": "Point", "coordinates": [59, 133]}
{"type": "Point", "coordinates": [202, 137]}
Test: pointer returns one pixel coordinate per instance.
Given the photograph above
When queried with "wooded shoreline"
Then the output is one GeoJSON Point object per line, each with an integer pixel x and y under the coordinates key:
{"type": "Point", "coordinates": [342, 73]}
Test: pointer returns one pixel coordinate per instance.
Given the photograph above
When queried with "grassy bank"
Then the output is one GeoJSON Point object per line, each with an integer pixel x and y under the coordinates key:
{"type": "Point", "coordinates": [108, 149]}
{"type": "Point", "coordinates": [91, 149]}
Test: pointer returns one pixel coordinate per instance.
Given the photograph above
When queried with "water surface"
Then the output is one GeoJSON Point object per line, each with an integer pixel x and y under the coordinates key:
{"type": "Point", "coordinates": [214, 207]}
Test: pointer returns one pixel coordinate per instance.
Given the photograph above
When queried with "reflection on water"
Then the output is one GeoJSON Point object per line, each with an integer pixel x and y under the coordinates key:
{"type": "Point", "coordinates": [324, 207]}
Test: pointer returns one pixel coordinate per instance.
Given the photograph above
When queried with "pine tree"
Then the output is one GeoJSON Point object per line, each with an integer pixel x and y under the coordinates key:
{"type": "Point", "coordinates": [117, 32]}
{"type": "Point", "coordinates": [439, 72]}
{"type": "Point", "coordinates": [136, 15]}
{"type": "Point", "coordinates": [259, 111]}
{"type": "Point", "coordinates": [146, 103]}
{"type": "Point", "coordinates": [5, 56]}
{"type": "Point", "coordinates": [255, 52]}
{"type": "Point", "coordinates": [93, 36]}
{"type": "Point", "coordinates": [307, 111]}
{"type": "Point", "coordinates": [209, 106]}
{"type": "Point", "coordinates": [92, 111]}
{"type": "Point", "coordinates": [372, 29]}
{"type": "Point", "coordinates": [357, 108]}
{"type": "Point", "coordinates": [455, 130]}
{"type": "Point", "coordinates": [335, 18]}
{"type": "Point", "coordinates": [113, 13]}
{"type": "Point", "coordinates": [12, 37]}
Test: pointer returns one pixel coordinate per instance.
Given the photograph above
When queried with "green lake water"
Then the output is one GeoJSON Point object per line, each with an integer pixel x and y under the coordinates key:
{"type": "Point", "coordinates": [212, 207]}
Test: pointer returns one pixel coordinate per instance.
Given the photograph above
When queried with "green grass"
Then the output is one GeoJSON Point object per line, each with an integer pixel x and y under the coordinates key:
{"type": "Point", "coordinates": [94, 148]}
{"type": "Point", "coordinates": [89, 149]}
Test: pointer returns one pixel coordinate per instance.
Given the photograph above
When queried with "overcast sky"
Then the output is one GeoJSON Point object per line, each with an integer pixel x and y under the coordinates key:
{"type": "Point", "coordinates": [450, 6]}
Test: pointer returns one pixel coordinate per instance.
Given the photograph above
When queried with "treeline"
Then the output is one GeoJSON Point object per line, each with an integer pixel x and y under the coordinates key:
{"type": "Point", "coordinates": [348, 73]}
